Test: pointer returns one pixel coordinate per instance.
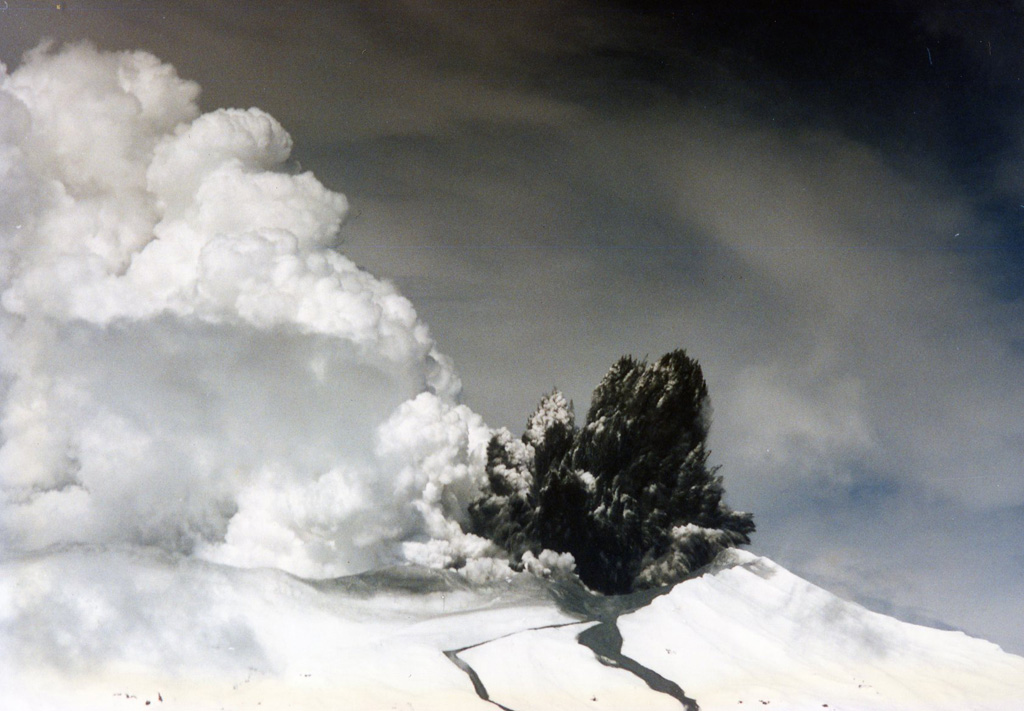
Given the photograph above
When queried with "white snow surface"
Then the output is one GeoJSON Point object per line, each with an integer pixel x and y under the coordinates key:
{"type": "Point", "coordinates": [753, 634]}
{"type": "Point", "coordinates": [115, 628]}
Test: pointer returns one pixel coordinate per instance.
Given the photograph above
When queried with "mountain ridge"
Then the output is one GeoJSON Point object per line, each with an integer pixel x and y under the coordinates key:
{"type": "Point", "coordinates": [113, 628]}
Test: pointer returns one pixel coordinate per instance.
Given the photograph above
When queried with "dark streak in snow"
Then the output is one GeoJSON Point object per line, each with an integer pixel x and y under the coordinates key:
{"type": "Point", "coordinates": [605, 640]}
{"type": "Point", "coordinates": [478, 685]}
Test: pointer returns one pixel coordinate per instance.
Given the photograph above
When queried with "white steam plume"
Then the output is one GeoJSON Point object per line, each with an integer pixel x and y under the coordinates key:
{"type": "Point", "coordinates": [186, 361]}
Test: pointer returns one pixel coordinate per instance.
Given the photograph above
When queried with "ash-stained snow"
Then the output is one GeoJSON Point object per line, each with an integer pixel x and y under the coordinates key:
{"type": "Point", "coordinates": [559, 673]}
{"type": "Point", "coordinates": [94, 629]}
{"type": "Point", "coordinates": [103, 629]}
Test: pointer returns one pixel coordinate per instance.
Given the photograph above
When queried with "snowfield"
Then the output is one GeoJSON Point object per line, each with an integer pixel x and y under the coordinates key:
{"type": "Point", "coordinates": [751, 632]}
{"type": "Point", "coordinates": [129, 628]}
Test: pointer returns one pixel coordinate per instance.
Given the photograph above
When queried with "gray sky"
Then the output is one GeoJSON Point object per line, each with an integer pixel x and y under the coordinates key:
{"type": "Point", "coordinates": [824, 207]}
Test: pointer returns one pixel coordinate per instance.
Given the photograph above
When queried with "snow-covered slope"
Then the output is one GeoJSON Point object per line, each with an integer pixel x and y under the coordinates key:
{"type": "Point", "coordinates": [129, 628]}
{"type": "Point", "coordinates": [752, 633]}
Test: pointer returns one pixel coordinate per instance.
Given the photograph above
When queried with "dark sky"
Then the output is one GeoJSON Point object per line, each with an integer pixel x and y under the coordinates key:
{"type": "Point", "coordinates": [823, 205]}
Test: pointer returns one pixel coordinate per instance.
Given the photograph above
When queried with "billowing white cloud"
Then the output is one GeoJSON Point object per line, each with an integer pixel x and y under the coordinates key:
{"type": "Point", "coordinates": [187, 362]}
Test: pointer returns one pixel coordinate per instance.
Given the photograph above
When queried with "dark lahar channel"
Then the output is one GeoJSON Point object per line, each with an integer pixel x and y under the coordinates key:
{"type": "Point", "coordinates": [603, 638]}
{"type": "Point", "coordinates": [570, 596]}
{"type": "Point", "coordinates": [478, 686]}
